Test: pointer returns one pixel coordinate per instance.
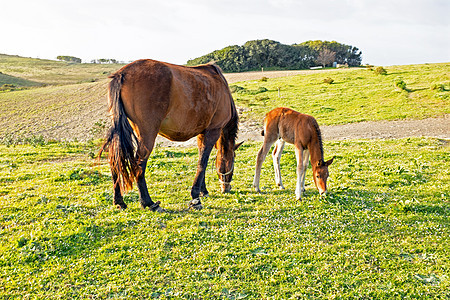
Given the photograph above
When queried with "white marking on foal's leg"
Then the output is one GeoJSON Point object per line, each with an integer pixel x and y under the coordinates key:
{"type": "Point", "coordinates": [305, 167]}
{"type": "Point", "coordinates": [298, 189]}
{"type": "Point", "coordinates": [259, 162]}
{"type": "Point", "coordinates": [276, 156]}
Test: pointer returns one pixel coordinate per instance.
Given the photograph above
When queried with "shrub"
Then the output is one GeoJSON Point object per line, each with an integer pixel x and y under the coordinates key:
{"type": "Point", "coordinates": [236, 88]}
{"type": "Point", "coordinates": [7, 87]}
{"type": "Point", "coordinates": [438, 86]}
{"type": "Point", "coordinates": [328, 80]}
{"type": "Point", "coordinates": [400, 84]}
{"type": "Point", "coordinates": [264, 79]}
{"type": "Point", "coordinates": [380, 71]}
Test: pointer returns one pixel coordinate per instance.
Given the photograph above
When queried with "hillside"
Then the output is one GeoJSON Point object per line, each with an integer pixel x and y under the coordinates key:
{"type": "Point", "coordinates": [16, 81]}
{"type": "Point", "coordinates": [73, 105]}
{"type": "Point", "coordinates": [50, 72]}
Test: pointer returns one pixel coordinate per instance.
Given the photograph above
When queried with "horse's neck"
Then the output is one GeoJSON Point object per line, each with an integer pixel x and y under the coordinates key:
{"type": "Point", "coordinates": [315, 151]}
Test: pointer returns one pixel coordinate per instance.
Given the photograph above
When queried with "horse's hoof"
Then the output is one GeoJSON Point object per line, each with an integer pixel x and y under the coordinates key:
{"type": "Point", "coordinates": [195, 204]}
{"type": "Point", "coordinates": [204, 195]}
{"type": "Point", "coordinates": [120, 205]}
{"type": "Point", "coordinates": [155, 207]}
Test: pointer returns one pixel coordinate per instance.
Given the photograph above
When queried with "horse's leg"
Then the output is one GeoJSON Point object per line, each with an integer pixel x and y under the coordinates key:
{"type": "Point", "coordinates": [276, 156]}
{"type": "Point", "coordinates": [118, 198]}
{"type": "Point", "coordinates": [144, 196]}
{"type": "Point", "coordinates": [299, 156]}
{"type": "Point", "coordinates": [200, 142]}
{"type": "Point", "coordinates": [144, 152]}
{"type": "Point", "coordinates": [205, 144]}
{"type": "Point", "coordinates": [268, 142]}
{"type": "Point", "coordinates": [203, 191]}
{"type": "Point", "coordinates": [305, 167]}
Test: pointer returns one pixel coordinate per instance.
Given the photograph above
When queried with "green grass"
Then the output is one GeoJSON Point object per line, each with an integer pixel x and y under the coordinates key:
{"type": "Point", "coordinates": [382, 232]}
{"type": "Point", "coordinates": [354, 96]}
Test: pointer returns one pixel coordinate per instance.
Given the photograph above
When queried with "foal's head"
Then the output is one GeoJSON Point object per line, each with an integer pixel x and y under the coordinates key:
{"type": "Point", "coordinates": [225, 163]}
{"type": "Point", "coordinates": [320, 175]}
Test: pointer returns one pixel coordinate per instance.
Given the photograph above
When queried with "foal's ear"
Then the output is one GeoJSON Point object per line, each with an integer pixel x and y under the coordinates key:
{"type": "Point", "coordinates": [238, 145]}
{"type": "Point", "coordinates": [328, 162]}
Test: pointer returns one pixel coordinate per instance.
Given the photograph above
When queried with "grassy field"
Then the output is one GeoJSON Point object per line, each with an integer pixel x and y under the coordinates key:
{"type": "Point", "coordinates": [354, 96]}
{"type": "Point", "coordinates": [382, 232]}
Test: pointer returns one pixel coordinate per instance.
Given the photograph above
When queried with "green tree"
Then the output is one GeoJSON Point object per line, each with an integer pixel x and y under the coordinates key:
{"type": "Point", "coordinates": [257, 54]}
{"type": "Point", "coordinates": [67, 58]}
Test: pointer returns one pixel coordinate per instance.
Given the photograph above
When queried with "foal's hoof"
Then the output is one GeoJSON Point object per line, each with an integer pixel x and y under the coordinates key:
{"type": "Point", "coordinates": [195, 204]}
{"type": "Point", "coordinates": [155, 207]}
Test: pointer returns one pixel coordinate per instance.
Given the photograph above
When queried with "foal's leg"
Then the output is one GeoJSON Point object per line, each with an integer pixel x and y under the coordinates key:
{"type": "Point", "coordinates": [205, 144]}
{"type": "Point", "coordinates": [299, 156]}
{"type": "Point", "coordinates": [268, 142]}
{"type": "Point", "coordinates": [276, 156]}
{"type": "Point", "coordinates": [305, 167]}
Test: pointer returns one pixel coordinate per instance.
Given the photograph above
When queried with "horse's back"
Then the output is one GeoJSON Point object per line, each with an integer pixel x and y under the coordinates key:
{"type": "Point", "coordinates": [181, 101]}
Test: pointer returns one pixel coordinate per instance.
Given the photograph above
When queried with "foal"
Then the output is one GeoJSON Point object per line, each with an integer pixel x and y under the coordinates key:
{"type": "Point", "coordinates": [287, 125]}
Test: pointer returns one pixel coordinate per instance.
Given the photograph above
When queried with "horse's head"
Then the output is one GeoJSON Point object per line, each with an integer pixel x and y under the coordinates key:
{"type": "Point", "coordinates": [225, 165]}
{"type": "Point", "coordinates": [320, 175]}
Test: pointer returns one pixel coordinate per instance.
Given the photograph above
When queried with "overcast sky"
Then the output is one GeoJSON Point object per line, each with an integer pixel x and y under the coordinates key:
{"type": "Point", "coordinates": [388, 32]}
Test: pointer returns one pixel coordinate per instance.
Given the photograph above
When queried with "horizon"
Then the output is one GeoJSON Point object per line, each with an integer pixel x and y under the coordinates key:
{"type": "Point", "coordinates": [388, 33]}
{"type": "Point", "coordinates": [127, 62]}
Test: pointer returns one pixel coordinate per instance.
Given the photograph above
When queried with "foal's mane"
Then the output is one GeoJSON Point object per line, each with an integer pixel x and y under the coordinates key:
{"type": "Point", "coordinates": [319, 136]}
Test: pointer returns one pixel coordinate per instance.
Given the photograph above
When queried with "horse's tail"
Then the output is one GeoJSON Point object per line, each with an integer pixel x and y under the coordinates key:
{"type": "Point", "coordinates": [121, 140]}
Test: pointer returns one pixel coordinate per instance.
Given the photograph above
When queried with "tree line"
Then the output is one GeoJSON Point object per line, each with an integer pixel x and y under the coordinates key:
{"type": "Point", "coordinates": [269, 54]}
{"type": "Point", "coordinates": [73, 59]}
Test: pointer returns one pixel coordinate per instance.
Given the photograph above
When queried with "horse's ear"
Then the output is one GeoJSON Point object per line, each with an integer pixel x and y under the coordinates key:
{"type": "Point", "coordinates": [329, 162]}
{"type": "Point", "coordinates": [238, 145]}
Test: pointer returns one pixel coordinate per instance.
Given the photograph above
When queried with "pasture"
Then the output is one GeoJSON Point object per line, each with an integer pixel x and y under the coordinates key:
{"type": "Point", "coordinates": [382, 232]}
{"type": "Point", "coordinates": [355, 95]}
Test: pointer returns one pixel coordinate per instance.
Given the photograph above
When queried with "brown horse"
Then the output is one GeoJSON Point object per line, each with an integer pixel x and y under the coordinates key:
{"type": "Point", "coordinates": [287, 125]}
{"type": "Point", "coordinates": [147, 98]}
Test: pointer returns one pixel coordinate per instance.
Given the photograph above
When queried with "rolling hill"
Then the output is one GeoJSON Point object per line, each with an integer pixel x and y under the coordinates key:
{"type": "Point", "coordinates": [68, 101]}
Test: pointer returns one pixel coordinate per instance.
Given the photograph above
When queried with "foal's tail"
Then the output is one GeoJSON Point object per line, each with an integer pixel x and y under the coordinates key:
{"type": "Point", "coordinates": [121, 140]}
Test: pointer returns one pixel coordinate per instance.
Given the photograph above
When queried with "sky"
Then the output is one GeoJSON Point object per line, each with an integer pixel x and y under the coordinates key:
{"type": "Point", "coordinates": [388, 32]}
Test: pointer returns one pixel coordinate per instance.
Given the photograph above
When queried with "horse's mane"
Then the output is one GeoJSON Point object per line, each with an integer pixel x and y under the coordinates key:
{"type": "Point", "coordinates": [229, 132]}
